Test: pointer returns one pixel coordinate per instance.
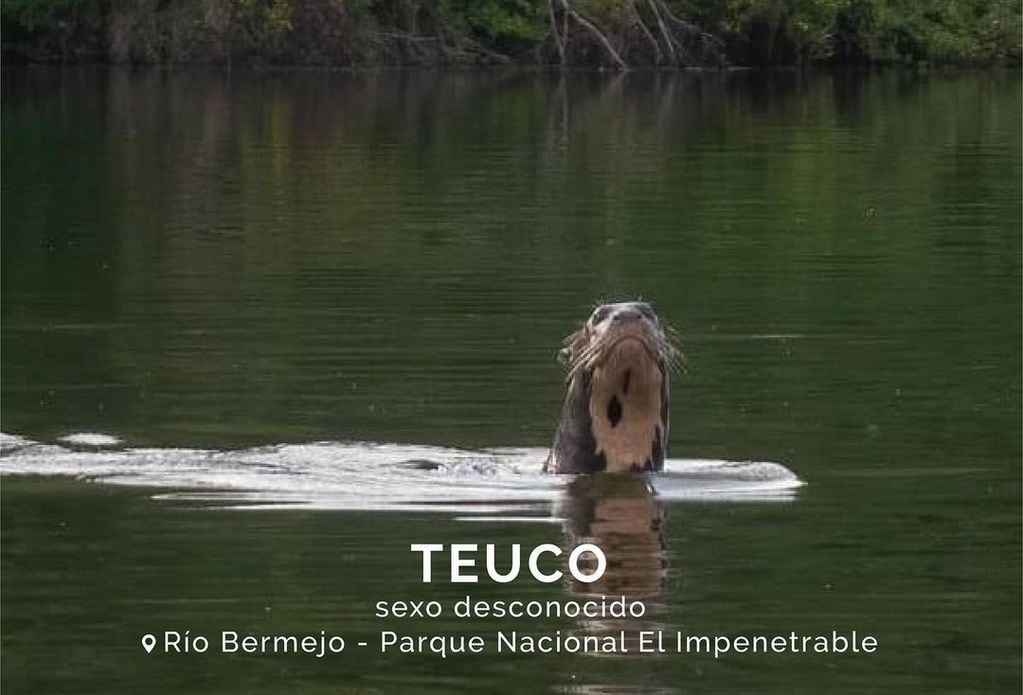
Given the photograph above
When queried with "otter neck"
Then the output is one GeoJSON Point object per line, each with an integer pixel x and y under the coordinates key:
{"type": "Point", "coordinates": [625, 410]}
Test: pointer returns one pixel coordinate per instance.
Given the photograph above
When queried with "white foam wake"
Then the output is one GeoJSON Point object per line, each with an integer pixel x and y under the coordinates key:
{"type": "Point", "coordinates": [367, 476]}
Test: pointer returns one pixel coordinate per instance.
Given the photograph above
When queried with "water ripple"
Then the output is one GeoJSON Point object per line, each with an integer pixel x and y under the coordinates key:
{"type": "Point", "coordinates": [370, 476]}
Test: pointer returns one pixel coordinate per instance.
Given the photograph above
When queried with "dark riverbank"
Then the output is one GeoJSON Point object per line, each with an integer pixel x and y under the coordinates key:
{"type": "Point", "coordinates": [616, 33]}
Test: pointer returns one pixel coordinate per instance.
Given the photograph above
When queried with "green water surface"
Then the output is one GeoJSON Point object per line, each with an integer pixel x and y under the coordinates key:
{"type": "Point", "coordinates": [223, 259]}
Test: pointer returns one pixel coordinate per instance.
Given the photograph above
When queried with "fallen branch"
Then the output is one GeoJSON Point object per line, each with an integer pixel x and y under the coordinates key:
{"type": "Point", "coordinates": [554, 30]}
{"type": "Point", "coordinates": [708, 42]}
{"type": "Point", "coordinates": [646, 32]}
{"type": "Point", "coordinates": [567, 9]}
{"type": "Point", "coordinates": [664, 31]}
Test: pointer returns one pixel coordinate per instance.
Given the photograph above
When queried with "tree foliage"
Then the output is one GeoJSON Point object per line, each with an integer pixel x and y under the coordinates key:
{"type": "Point", "coordinates": [751, 32]}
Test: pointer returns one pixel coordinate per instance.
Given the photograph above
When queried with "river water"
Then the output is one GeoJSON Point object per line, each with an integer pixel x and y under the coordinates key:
{"type": "Point", "coordinates": [262, 331]}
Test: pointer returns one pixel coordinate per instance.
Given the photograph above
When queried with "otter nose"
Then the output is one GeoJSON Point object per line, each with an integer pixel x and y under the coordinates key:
{"type": "Point", "coordinates": [623, 315]}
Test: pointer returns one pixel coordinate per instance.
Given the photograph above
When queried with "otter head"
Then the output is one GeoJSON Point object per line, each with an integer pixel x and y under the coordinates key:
{"type": "Point", "coordinates": [615, 416]}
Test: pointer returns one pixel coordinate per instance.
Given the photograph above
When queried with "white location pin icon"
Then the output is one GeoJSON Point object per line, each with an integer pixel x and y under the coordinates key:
{"type": "Point", "coordinates": [148, 642]}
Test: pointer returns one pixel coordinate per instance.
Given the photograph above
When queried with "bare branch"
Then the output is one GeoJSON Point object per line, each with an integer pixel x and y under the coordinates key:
{"type": "Point", "coordinates": [709, 43]}
{"type": "Point", "coordinates": [557, 36]}
{"type": "Point", "coordinates": [622, 65]}
{"type": "Point", "coordinates": [646, 32]}
{"type": "Point", "coordinates": [664, 31]}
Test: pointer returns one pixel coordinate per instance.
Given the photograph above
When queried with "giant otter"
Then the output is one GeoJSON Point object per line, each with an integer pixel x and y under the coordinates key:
{"type": "Point", "coordinates": [615, 415]}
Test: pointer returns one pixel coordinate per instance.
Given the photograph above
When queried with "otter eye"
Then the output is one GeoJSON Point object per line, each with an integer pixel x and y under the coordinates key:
{"type": "Point", "coordinates": [647, 312]}
{"type": "Point", "coordinates": [599, 315]}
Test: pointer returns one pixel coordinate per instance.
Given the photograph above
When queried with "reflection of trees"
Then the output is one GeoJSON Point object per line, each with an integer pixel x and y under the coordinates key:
{"type": "Point", "coordinates": [334, 252]}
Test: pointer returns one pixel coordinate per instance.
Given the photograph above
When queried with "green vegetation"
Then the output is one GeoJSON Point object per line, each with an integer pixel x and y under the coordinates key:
{"type": "Point", "coordinates": [887, 31]}
{"type": "Point", "coordinates": [574, 32]}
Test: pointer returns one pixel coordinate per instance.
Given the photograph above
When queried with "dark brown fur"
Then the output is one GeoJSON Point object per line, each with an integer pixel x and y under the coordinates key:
{"type": "Point", "coordinates": [615, 414]}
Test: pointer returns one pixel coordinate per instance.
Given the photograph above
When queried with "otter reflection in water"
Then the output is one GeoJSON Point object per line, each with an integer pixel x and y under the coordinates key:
{"type": "Point", "coordinates": [615, 415]}
{"type": "Point", "coordinates": [622, 516]}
